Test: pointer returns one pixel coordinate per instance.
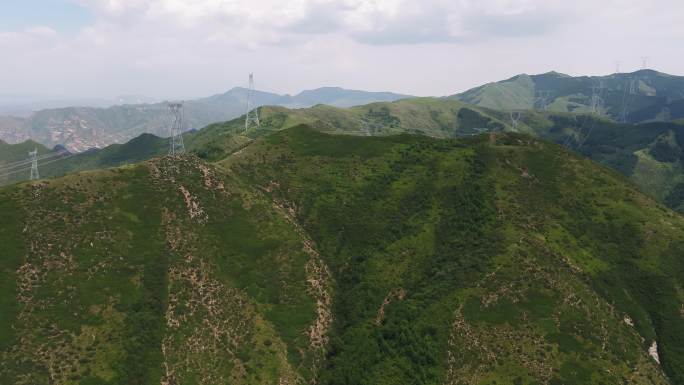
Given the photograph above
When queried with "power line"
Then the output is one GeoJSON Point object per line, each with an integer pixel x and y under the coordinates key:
{"type": "Point", "coordinates": [41, 164]}
{"type": "Point", "coordinates": [24, 162]}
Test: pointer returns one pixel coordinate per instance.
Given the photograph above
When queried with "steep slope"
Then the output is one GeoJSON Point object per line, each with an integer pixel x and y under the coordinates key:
{"type": "Point", "coordinates": [82, 128]}
{"type": "Point", "coordinates": [307, 257]}
{"type": "Point", "coordinates": [161, 272]}
{"type": "Point", "coordinates": [499, 258]}
{"type": "Point", "coordinates": [640, 96]}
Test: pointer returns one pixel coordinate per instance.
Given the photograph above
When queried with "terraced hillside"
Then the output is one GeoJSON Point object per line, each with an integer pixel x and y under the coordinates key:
{"type": "Point", "coordinates": [314, 258]}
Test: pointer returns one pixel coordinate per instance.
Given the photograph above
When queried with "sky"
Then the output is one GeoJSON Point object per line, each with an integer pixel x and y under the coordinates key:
{"type": "Point", "coordinates": [193, 48]}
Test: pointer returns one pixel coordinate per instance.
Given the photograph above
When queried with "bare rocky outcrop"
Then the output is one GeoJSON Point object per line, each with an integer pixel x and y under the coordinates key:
{"type": "Point", "coordinates": [195, 211]}
{"type": "Point", "coordinates": [395, 294]}
{"type": "Point", "coordinates": [653, 352]}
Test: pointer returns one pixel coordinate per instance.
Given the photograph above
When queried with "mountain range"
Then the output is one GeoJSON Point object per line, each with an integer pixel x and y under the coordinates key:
{"type": "Point", "coordinates": [294, 256]}
{"type": "Point", "coordinates": [638, 97]}
{"type": "Point", "coordinates": [649, 154]}
{"type": "Point", "coordinates": [641, 96]}
{"type": "Point", "coordinates": [82, 128]}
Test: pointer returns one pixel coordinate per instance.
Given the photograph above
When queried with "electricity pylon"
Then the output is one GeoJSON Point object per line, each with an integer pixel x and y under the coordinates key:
{"type": "Point", "coordinates": [633, 86]}
{"type": "Point", "coordinates": [252, 116]}
{"type": "Point", "coordinates": [33, 155]}
{"type": "Point", "coordinates": [515, 118]}
{"type": "Point", "coordinates": [596, 100]}
{"type": "Point", "coordinates": [542, 99]}
{"type": "Point", "coordinates": [176, 111]}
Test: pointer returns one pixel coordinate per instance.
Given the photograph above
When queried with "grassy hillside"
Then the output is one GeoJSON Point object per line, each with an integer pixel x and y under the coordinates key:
{"type": "Point", "coordinates": [649, 154]}
{"type": "Point", "coordinates": [491, 259]}
{"type": "Point", "coordinates": [439, 118]}
{"type": "Point", "coordinates": [336, 259]}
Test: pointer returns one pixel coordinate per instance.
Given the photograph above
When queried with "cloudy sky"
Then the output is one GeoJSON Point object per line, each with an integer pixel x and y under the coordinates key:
{"type": "Point", "coordinates": [184, 48]}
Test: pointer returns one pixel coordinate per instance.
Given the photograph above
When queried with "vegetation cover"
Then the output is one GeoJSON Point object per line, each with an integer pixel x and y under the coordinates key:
{"type": "Point", "coordinates": [298, 256]}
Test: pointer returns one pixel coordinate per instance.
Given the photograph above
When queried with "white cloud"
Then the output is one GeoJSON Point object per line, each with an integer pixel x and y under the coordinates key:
{"type": "Point", "coordinates": [368, 21]}
{"type": "Point", "coordinates": [196, 47]}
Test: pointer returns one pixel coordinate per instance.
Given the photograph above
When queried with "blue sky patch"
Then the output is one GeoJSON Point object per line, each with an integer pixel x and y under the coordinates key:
{"type": "Point", "coordinates": [60, 15]}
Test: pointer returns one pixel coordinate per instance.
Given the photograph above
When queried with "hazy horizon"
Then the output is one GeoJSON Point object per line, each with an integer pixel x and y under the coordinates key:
{"type": "Point", "coordinates": [167, 48]}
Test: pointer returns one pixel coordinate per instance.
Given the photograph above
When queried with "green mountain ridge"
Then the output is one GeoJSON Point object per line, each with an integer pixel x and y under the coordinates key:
{"type": "Point", "coordinates": [636, 97]}
{"type": "Point", "coordinates": [336, 259]}
{"type": "Point", "coordinates": [649, 153]}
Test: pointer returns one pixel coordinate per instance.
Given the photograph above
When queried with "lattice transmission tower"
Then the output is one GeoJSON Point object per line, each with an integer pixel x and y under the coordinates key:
{"type": "Point", "coordinates": [33, 156]}
{"type": "Point", "coordinates": [596, 99]}
{"type": "Point", "coordinates": [515, 119]}
{"type": "Point", "coordinates": [252, 116]}
{"type": "Point", "coordinates": [176, 146]}
{"type": "Point", "coordinates": [542, 99]}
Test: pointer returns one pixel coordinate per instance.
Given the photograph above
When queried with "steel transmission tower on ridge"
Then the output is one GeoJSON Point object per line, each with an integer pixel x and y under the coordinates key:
{"type": "Point", "coordinates": [176, 111]}
{"type": "Point", "coordinates": [542, 99]}
{"type": "Point", "coordinates": [33, 155]}
{"type": "Point", "coordinates": [252, 116]}
{"type": "Point", "coordinates": [515, 118]}
{"type": "Point", "coordinates": [596, 100]}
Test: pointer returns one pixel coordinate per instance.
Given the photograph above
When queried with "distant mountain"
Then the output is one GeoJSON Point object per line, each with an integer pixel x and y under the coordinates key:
{"type": "Point", "coordinates": [81, 128]}
{"type": "Point", "coordinates": [636, 97]}
{"type": "Point", "coordinates": [339, 97]}
{"type": "Point", "coordinates": [25, 105]}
